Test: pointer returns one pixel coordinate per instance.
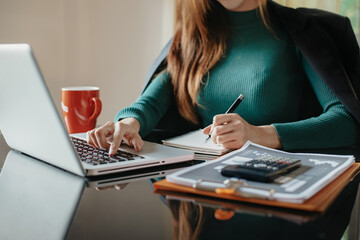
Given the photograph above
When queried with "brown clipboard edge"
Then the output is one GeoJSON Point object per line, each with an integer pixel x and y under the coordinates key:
{"type": "Point", "coordinates": [318, 203]}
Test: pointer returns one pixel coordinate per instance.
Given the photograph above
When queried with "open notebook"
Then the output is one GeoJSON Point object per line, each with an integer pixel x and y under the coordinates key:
{"type": "Point", "coordinates": [196, 142]}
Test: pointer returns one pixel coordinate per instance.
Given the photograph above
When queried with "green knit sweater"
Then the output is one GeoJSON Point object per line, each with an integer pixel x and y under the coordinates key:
{"type": "Point", "coordinates": [272, 75]}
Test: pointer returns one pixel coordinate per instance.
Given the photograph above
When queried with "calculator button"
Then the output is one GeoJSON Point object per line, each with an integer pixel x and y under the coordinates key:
{"type": "Point", "coordinates": [260, 165]}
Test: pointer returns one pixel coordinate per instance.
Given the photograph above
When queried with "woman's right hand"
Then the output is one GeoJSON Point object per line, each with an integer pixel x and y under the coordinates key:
{"type": "Point", "coordinates": [112, 134]}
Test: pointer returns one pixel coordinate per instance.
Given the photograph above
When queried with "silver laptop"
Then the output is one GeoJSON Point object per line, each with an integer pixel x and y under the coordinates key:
{"type": "Point", "coordinates": [30, 123]}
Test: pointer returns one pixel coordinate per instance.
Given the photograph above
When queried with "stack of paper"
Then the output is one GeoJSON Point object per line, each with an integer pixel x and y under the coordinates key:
{"type": "Point", "coordinates": [316, 172]}
{"type": "Point", "coordinates": [196, 141]}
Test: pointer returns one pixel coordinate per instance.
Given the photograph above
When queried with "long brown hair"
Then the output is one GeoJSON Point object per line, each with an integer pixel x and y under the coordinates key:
{"type": "Point", "coordinates": [188, 219]}
{"type": "Point", "coordinates": [199, 43]}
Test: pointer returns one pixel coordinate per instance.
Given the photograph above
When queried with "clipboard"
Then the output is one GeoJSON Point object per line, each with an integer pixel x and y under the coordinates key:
{"type": "Point", "coordinates": [318, 203]}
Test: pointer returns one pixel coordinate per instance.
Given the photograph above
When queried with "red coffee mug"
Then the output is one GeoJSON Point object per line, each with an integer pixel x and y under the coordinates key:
{"type": "Point", "coordinates": [81, 106]}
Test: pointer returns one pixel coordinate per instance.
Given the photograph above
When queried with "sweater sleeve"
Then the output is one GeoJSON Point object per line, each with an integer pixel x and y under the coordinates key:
{"type": "Point", "coordinates": [151, 105]}
{"type": "Point", "coordinates": [335, 127]}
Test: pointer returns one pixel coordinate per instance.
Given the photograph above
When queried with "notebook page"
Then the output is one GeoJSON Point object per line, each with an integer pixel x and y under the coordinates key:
{"type": "Point", "coordinates": [196, 141]}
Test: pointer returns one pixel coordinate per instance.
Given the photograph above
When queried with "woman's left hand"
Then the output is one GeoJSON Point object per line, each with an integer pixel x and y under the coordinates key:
{"type": "Point", "coordinates": [232, 131]}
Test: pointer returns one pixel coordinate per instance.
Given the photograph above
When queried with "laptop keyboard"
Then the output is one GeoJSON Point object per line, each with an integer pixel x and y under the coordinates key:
{"type": "Point", "coordinates": [95, 156]}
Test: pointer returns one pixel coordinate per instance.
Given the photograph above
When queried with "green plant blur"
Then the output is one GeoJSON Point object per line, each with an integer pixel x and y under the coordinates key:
{"type": "Point", "coordinates": [351, 9]}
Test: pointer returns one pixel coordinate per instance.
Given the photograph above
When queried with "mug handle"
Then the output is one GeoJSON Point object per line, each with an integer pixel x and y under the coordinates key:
{"type": "Point", "coordinates": [97, 109]}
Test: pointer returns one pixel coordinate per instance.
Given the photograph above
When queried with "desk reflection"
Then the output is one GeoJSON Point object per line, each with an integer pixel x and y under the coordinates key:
{"type": "Point", "coordinates": [40, 201]}
{"type": "Point", "coordinates": [37, 201]}
{"type": "Point", "coordinates": [197, 217]}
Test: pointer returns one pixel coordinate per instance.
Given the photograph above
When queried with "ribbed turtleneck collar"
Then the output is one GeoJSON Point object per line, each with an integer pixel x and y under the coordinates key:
{"type": "Point", "coordinates": [243, 19]}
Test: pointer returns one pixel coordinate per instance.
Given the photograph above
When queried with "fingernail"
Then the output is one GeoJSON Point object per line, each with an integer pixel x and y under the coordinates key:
{"type": "Point", "coordinates": [138, 148]}
{"type": "Point", "coordinates": [111, 150]}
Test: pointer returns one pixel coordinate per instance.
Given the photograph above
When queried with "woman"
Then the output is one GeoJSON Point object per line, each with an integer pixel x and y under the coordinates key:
{"type": "Point", "coordinates": [298, 70]}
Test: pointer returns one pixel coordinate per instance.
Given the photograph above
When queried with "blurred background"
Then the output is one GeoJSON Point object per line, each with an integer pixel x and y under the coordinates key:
{"type": "Point", "coordinates": [109, 43]}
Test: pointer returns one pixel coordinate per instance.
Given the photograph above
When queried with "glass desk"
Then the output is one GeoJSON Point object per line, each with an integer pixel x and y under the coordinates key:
{"type": "Point", "coordinates": [39, 201]}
